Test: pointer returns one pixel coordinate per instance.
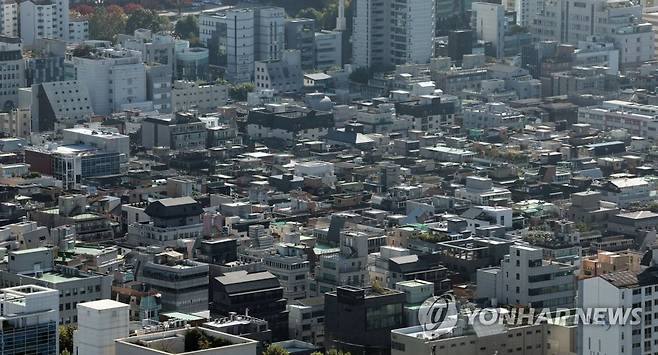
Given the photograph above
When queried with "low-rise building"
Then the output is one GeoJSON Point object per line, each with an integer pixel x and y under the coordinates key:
{"type": "Point", "coordinates": [281, 75]}
{"type": "Point", "coordinates": [188, 95]}
{"type": "Point", "coordinates": [182, 283]}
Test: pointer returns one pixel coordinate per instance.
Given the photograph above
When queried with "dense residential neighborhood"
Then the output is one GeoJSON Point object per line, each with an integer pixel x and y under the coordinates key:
{"type": "Point", "coordinates": [344, 177]}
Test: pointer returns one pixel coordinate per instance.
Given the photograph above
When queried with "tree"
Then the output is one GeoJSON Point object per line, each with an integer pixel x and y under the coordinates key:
{"type": "Point", "coordinates": [66, 337]}
{"type": "Point", "coordinates": [187, 28]}
{"type": "Point", "coordinates": [239, 92]}
{"type": "Point", "coordinates": [360, 75]}
{"type": "Point", "coordinates": [148, 19]}
{"type": "Point", "coordinates": [83, 9]}
{"type": "Point", "coordinates": [131, 6]}
{"type": "Point", "coordinates": [106, 22]}
{"type": "Point", "coordinates": [82, 50]}
{"type": "Point", "coordinates": [331, 352]}
{"type": "Point", "coordinates": [275, 350]}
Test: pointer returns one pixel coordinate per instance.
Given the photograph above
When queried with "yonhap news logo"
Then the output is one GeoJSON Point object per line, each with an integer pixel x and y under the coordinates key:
{"type": "Point", "coordinates": [438, 312]}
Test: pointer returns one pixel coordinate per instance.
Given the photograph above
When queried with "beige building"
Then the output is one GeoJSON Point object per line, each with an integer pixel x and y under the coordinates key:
{"type": "Point", "coordinates": [558, 337]}
{"type": "Point", "coordinates": [187, 95]}
{"type": "Point", "coordinates": [605, 262]}
{"type": "Point", "coordinates": [16, 123]}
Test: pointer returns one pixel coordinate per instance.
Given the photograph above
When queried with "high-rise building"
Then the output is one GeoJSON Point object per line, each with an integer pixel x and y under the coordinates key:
{"type": "Point", "coordinates": [12, 67]}
{"type": "Point", "coordinates": [269, 35]}
{"type": "Point", "coordinates": [300, 35]}
{"type": "Point", "coordinates": [28, 320]}
{"type": "Point", "coordinates": [390, 32]}
{"type": "Point", "coordinates": [617, 21]}
{"type": "Point", "coordinates": [100, 323]}
{"type": "Point", "coordinates": [489, 23]}
{"type": "Point", "coordinates": [44, 19]}
{"type": "Point", "coordinates": [9, 18]}
{"type": "Point", "coordinates": [115, 79]}
{"type": "Point", "coordinates": [229, 35]}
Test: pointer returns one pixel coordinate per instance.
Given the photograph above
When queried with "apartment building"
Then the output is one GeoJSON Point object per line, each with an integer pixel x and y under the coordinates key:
{"type": "Point", "coordinates": [390, 32]}
{"type": "Point", "coordinates": [9, 18]}
{"type": "Point", "coordinates": [525, 278]}
{"type": "Point", "coordinates": [621, 290]}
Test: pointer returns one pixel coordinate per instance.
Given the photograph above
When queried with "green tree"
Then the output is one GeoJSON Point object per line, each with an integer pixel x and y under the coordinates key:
{"type": "Point", "coordinates": [82, 50]}
{"type": "Point", "coordinates": [148, 19]}
{"type": "Point", "coordinates": [66, 338]}
{"type": "Point", "coordinates": [106, 22]}
{"type": "Point", "coordinates": [275, 350]}
{"type": "Point", "coordinates": [331, 352]}
{"type": "Point", "coordinates": [187, 27]}
{"type": "Point", "coordinates": [360, 75]}
{"type": "Point", "coordinates": [239, 92]}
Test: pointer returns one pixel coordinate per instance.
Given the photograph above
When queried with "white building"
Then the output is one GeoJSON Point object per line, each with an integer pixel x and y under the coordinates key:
{"type": "Point", "coordinates": [348, 266]}
{"type": "Point", "coordinates": [105, 140]}
{"type": "Point", "coordinates": [320, 169]}
{"type": "Point", "coordinates": [78, 29]}
{"type": "Point", "coordinates": [152, 343]}
{"type": "Point", "coordinates": [621, 290]}
{"type": "Point", "coordinates": [39, 19]}
{"type": "Point", "coordinates": [291, 267]}
{"type": "Point", "coordinates": [393, 32]}
{"type": "Point", "coordinates": [187, 95]}
{"type": "Point", "coordinates": [100, 323]}
{"type": "Point", "coordinates": [12, 69]}
{"type": "Point", "coordinates": [14, 170]}
{"type": "Point", "coordinates": [492, 115]}
{"type": "Point", "coordinates": [282, 75]}
{"type": "Point", "coordinates": [525, 278]}
{"type": "Point", "coordinates": [269, 35]}
{"type": "Point", "coordinates": [490, 22]}
{"type": "Point", "coordinates": [230, 35]}
{"type": "Point", "coordinates": [639, 120]}
{"type": "Point", "coordinates": [9, 18]}
{"type": "Point", "coordinates": [116, 79]}
{"type": "Point", "coordinates": [626, 191]}
{"type": "Point", "coordinates": [481, 191]}
{"type": "Point", "coordinates": [617, 21]}
{"type": "Point", "coordinates": [328, 49]}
